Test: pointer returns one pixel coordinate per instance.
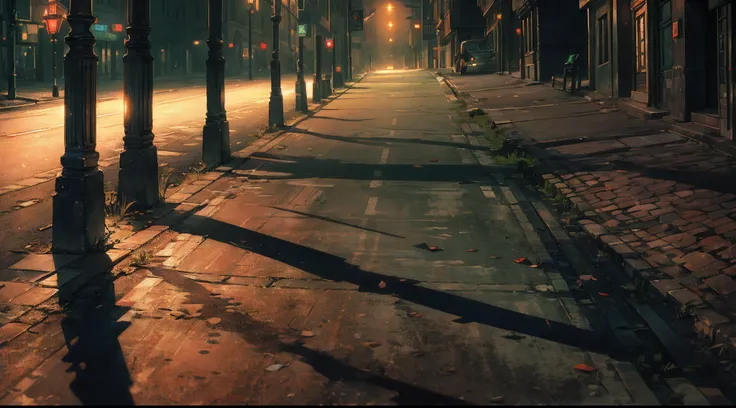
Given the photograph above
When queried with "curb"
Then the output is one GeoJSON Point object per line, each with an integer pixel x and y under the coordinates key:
{"type": "Point", "coordinates": [707, 323]}
{"type": "Point", "coordinates": [122, 250]}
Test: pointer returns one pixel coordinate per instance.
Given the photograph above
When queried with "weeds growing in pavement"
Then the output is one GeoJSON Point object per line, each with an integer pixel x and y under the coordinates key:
{"type": "Point", "coordinates": [141, 258]}
{"type": "Point", "coordinates": [163, 183]}
{"type": "Point", "coordinates": [105, 243]}
{"type": "Point", "coordinates": [195, 172]}
{"type": "Point", "coordinates": [115, 208]}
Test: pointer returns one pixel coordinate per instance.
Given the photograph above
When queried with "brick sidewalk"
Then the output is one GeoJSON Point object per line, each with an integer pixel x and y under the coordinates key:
{"type": "Point", "coordinates": [664, 205]}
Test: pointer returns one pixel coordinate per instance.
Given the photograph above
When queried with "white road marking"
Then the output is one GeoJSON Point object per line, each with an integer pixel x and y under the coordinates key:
{"type": "Point", "coordinates": [488, 191]}
{"type": "Point", "coordinates": [370, 209]}
{"type": "Point", "coordinates": [384, 155]}
{"type": "Point", "coordinates": [28, 132]}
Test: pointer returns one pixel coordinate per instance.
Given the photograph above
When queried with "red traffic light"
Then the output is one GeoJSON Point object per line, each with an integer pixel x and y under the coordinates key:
{"type": "Point", "coordinates": [263, 46]}
{"type": "Point", "coordinates": [329, 43]}
{"type": "Point", "coordinates": [518, 31]}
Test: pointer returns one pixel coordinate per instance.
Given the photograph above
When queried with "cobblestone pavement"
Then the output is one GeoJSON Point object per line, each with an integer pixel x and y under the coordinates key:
{"type": "Point", "coordinates": [662, 203]}
{"type": "Point", "coordinates": [370, 255]}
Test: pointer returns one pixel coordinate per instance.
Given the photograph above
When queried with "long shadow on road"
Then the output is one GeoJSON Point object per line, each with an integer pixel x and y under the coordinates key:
{"type": "Point", "coordinates": [328, 266]}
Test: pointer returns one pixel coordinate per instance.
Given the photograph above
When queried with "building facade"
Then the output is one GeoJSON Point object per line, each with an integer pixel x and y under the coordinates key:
{"type": "Point", "coordinates": [674, 57]}
{"type": "Point", "coordinates": [501, 25]}
{"type": "Point", "coordinates": [550, 32]}
{"type": "Point", "coordinates": [457, 21]}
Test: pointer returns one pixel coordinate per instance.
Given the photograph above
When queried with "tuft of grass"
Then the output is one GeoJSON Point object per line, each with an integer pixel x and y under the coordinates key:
{"type": "Point", "coordinates": [141, 258]}
{"type": "Point", "coordinates": [116, 208]}
{"type": "Point", "coordinates": [515, 157]}
{"type": "Point", "coordinates": [105, 243]}
{"type": "Point", "coordinates": [163, 183]}
{"type": "Point", "coordinates": [195, 172]}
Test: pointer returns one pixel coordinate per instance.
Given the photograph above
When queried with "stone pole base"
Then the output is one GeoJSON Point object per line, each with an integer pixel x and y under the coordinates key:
{"type": "Point", "coordinates": [79, 213]}
{"type": "Point", "coordinates": [327, 86]}
{"type": "Point", "coordinates": [317, 90]}
{"type": "Point", "coordinates": [276, 112]}
{"type": "Point", "coordinates": [302, 104]}
{"type": "Point", "coordinates": [138, 177]}
{"type": "Point", "coordinates": [216, 143]}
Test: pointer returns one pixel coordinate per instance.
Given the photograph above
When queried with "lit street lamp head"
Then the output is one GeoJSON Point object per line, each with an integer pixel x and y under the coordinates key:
{"type": "Point", "coordinates": [53, 18]}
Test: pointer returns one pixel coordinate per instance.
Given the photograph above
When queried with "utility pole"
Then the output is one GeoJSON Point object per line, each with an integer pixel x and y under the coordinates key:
{"type": "Point", "coordinates": [276, 103]}
{"type": "Point", "coordinates": [12, 39]}
{"type": "Point", "coordinates": [350, 43]}
{"type": "Point", "coordinates": [302, 105]}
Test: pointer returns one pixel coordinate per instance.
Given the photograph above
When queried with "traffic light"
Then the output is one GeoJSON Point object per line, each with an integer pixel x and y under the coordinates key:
{"type": "Point", "coordinates": [329, 43]}
{"type": "Point", "coordinates": [356, 20]}
{"type": "Point", "coordinates": [264, 46]}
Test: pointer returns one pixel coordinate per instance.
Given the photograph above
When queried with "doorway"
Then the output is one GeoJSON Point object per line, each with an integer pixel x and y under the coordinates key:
{"type": "Point", "coordinates": [725, 64]}
{"type": "Point", "coordinates": [664, 51]}
{"type": "Point", "coordinates": [640, 93]}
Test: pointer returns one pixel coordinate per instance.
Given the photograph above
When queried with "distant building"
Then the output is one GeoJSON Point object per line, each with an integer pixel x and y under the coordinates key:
{"type": "Point", "coordinates": [501, 25]}
{"type": "Point", "coordinates": [550, 32]}
{"type": "Point", "coordinates": [457, 21]}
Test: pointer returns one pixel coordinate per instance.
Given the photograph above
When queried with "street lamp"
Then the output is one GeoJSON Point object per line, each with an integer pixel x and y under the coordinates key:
{"type": "Point", "coordinates": [276, 103]}
{"type": "Point", "coordinates": [251, 11]}
{"type": "Point", "coordinates": [417, 26]}
{"type": "Point", "coordinates": [390, 25]}
{"type": "Point", "coordinates": [390, 40]}
{"type": "Point", "coordinates": [499, 16]}
{"type": "Point", "coordinates": [389, 7]}
{"type": "Point", "coordinates": [53, 24]}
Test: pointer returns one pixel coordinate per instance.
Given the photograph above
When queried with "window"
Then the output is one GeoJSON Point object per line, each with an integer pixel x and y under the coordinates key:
{"type": "Point", "coordinates": [665, 31]}
{"type": "Point", "coordinates": [640, 27]}
{"type": "Point", "coordinates": [603, 39]}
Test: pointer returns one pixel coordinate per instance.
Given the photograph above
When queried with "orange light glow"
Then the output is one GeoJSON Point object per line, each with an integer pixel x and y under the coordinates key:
{"type": "Point", "coordinates": [417, 26]}
{"type": "Point", "coordinates": [231, 45]}
{"type": "Point", "coordinates": [196, 42]}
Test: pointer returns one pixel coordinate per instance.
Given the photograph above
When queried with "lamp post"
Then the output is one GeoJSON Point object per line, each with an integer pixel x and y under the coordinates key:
{"type": "Point", "coordinates": [12, 38]}
{"type": "Point", "coordinates": [350, 44]}
{"type": "Point", "coordinates": [276, 104]}
{"type": "Point", "coordinates": [251, 11]}
{"type": "Point", "coordinates": [501, 47]}
{"type": "Point", "coordinates": [301, 87]}
{"type": "Point", "coordinates": [53, 24]}
{"type": "Point", "coordinates": [330, 45]}
{"type": "Point", "coordinates": [216, 131]}
{"type": "Point", "coordinates": [79, 202]}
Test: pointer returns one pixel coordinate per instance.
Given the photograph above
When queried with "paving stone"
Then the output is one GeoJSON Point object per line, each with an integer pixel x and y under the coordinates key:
{"type": "Point", "coordinates": [60, 278]}
{"type": "Point", "coordinates": [713, 243]}
{"type": "Point", "coordinates": [33, 297]}
{"type": "Point", "coordinates": [10, 290]}
{"type": "Point", "coordinates": [730, 271]}
{"type": "Point", "coordinates": [702, 264]}
{"type": "Point", "coordinates": [681, 240]}
{"type": "Point", "coordinates": [689, 215]}
{"type": "Point", "coordinates": [665, 286]}
{"type": "Point", "coordinates": [710, 317]}
{"type": "Point", "coordinates": [685, 297]}
{"type": "Point", "coordinates": [16, 275]}
{"type": "Point", "coordinates": [44, 262]}
{"type": "Point", "coordinates": [725, 228]}
{"type": "Point", "coordinates": [140, 238]}
{"type": "Point", "coordinates": [9, 331]}
{"type": "Point", "coordinates": [624, 251]}
{"type": "Point", "coordinates": [721, 283]}
{"type": "Point", "coordinates": [594, 229]}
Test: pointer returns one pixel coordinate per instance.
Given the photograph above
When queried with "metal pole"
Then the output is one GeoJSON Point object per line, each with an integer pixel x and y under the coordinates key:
{"type": "Point", "coordinates": [301, 87]}
{"type": "Point", "coordinates": [138, 175]}
{"type": "Point", "coordinates": [216, 132]}
{"type": "Point", "coordinates": [250, 43]}
{"type": "Point", "coordinates": [317, 83]}
{"type": "Point", "coordinates": [276, 104]}
{"type": "Point", "coordinates": [12, 38]}
{"type": "Point", "coordinates": [79, 202]}
{"type": "Point", "coordinates": [334, 64]}
{"type": "Point", "coordinates": [350, 43]}
{"type": "Point", "coordinates": [55, 87]}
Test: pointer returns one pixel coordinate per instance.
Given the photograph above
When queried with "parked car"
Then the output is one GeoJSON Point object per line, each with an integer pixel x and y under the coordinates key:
{"type": "Point", "coordinates": [475, 56]}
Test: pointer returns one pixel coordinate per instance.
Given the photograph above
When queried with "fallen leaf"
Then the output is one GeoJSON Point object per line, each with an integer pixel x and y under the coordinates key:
{"type": "Point", "coordinates": [604, 294]}
{"type": "Point", "coordinates": [433, 248]}
{"type": "Point", "coordinates": [45, 227]}
{"type": "Point", "coordinates": [417, 166]}
{"type": "Point", "coordinates": [434, 160]}
{"type": "Point", "coordinates": [472, 250]}
{"type": "Point", "coordinates": [448, 370]}
{"type": "Point", "coordinates": [415, 314]}
{"type": "Point", "coordinates": [494, 257]}
{"type": "Point", "coordinates": [534, 266]}
{"type": "Point", "coordinates": [587, 278]}
{"type": "Point", "coordinates": [214, 320]}
{"type": "Point", "coordinates": [382, 285]}
{"type": "Point", "coordinates": [371, 344]}
{"type": "Point", "coordinates": [418, 354]}
{"type": "Point", "coordinates": [361, 314]}
{"type": "Point", "coordinates": [520, 260]}
{"type": "Point", "coordinates": [290, 396]}
{"type": "Point", "coordinates": [307, 333]}
{"type": "Point", "coordinates": [585, 367]}
{"type": "Point", "coordinates": [497, 400]}
{"type": "Point", "coordinates": [402, 280]}
{"type": "Point", "coordinates": [548, 325]}
{"type": "Point", "coordinates": [274, 367]}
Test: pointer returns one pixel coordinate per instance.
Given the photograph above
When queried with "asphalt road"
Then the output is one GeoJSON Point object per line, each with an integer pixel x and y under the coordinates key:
{"type": "Point", "coordinates": [32, 141]}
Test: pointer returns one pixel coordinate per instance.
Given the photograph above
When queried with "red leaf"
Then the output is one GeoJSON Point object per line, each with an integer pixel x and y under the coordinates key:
{"type": "Point", "coordinates": [382, 285]}
{"type": "Point", "coordinates": [417, 166]}
{"type": "Point", "coordinates": [434, 248]}
{"type": "Point", "coordinates": [472, 250]}
{"type": "Point", "coordinates": [520, 260]}
{"type": "Point", "coordinates": [604, 294]}
{"type": "Point", "coordinates": [586, 368]}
